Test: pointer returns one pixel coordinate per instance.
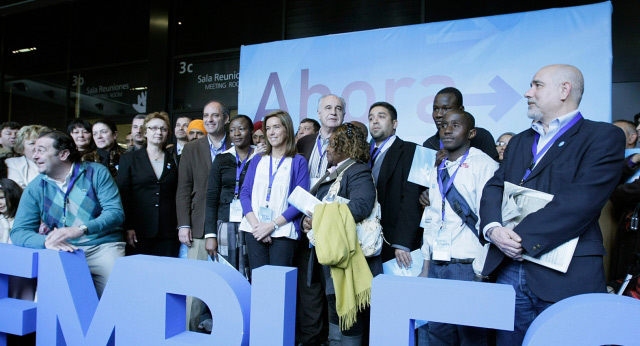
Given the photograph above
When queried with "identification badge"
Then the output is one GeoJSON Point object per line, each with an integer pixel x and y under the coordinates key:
{"type": "Point", "coordinates": [235, 211]}
{"type": "Point", "coordinates": [265, 214]}
{"type": "Point", "coordinates": [442, 247]}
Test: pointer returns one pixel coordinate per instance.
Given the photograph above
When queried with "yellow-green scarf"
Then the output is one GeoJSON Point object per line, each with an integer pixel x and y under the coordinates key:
{"type": "Point", "coordinates": [337, 246]}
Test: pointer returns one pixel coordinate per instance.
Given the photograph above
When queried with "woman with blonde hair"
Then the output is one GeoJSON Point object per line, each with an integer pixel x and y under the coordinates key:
{"type": "Point", "coordinates": [271, 224]}
{"type": "Point", "coordinates": [23, 169]}
{"type": "Point", "coordinates": [148, 179]}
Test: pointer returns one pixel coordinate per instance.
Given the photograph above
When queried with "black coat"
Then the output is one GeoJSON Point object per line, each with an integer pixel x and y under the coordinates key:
{"type": "Point", "coordinates": [356, 186]}
{"type": "Point", "coordinates": [149, 203]}
{"type": "Point", "coordinates": [401, 210]}
{"type": "Point", "coordinates": [221, 190]}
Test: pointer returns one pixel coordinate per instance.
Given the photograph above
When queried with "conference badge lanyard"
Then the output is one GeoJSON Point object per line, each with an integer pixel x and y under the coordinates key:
{"type": "Point", "coordinates": [266, 214]}
{"type": "Point", "coordinates": [534, 147]}
{"type": "Point", "coordinates": [74, 176]}
{"type": "Point", "coordinates": [442, 245]}
{"type": "Point", "coordinates": [373, 146]}
{"type": "Point", "coordinates": [321, 153]}
{"type": "Point", "coordinates": [235, 209]}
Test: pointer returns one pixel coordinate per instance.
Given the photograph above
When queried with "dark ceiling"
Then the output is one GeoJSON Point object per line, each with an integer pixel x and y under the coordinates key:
{"type": "Point", "coordinates": [98, 33]}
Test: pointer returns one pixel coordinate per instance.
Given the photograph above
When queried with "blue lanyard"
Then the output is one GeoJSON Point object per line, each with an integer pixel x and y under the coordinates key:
{"type": "Point", "coordinates": [445, 189]}
{"type": "Point", "coordinates": [76, 168]}
{"type": "Point", "coordinates": [321, 153]}
{"type": "Point", "coordinates": [239, 168]}
{"type": "Point", "coordinates": [373, 145]}
{"type": "Point", "coordinates": [214, 151]}
{"type": "Point", "coordinates": [534, 147]}
{"type": "Point", "coordinates": [272, 175]}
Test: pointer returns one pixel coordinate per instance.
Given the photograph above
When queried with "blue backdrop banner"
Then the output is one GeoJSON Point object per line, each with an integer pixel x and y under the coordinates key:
{"type": "Point", "coordinates": [490, 59]}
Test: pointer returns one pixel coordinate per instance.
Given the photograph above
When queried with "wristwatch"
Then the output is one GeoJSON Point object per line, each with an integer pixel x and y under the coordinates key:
{"type": "Point", "coordinates": [275, 226]}
{"type": "Point", "coordinates": [84, 229]}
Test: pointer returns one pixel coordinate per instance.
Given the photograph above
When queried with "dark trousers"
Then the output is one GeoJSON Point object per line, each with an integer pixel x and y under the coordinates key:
{"type": "Point", "coordinates": [279, 253]}
{"type": "Point", "coordinates": [362, 318]}
{"type": "Point", "coordinates": [311, 308]}
{"type": "Point", "coordinates": [168, 247]}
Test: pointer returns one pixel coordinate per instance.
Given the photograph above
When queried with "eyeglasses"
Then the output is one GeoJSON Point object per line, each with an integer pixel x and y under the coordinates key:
{"type": "Point", "coordinates": [501, 144]}
{"type": "Point", "coordinates": [156, 128]}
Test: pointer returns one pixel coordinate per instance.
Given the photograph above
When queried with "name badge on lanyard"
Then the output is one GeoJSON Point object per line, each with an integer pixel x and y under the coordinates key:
{"type": "Point", "coordinates": [235, 208]}
{"type": "Point", "coordinates": [265, 214]}
{"type": "Point", "coordinates": [442, 244]}
{"type": "Point", "coordinates": [235, 211]}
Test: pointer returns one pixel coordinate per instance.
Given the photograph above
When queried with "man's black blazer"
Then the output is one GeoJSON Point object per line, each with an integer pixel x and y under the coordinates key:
{"type": "Point", "coordinates": [306, 145]}
{"type": "Point", "coordinates": [581, 170]}
{"type": "Point", "coordinates": [401, 210]}
{"type": "Point", "coordinates": [149, 203]}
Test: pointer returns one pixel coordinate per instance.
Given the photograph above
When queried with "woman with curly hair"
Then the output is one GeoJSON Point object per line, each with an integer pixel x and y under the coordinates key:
{"type": "Point", "coordinates": [348, 154]}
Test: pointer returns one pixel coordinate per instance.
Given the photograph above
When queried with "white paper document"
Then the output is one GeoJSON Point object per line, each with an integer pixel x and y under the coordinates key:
{"type": "Point", "coordinates": [423, 163]}
{"type": "Point", "coordinates": [303, 200]}
{"type": "Point", "coordinates": [517, 203]}
{"type": "Point", "coordinates": [391, 266]}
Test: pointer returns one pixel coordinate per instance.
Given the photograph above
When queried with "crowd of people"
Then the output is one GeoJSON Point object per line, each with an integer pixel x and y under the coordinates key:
{"type": "Point", "coordinates": [223, 190]}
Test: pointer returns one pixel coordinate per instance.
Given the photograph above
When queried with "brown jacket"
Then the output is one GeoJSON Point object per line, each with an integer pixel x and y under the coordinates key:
{"type": "Point", "coordinates": [195, 163]}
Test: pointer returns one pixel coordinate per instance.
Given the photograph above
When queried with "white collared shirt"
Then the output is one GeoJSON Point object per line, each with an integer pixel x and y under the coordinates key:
{"type": "Point", "coordinates": [318, 162]}
{"type": "Point", "coordinates": [63, 185]}
{"type": "Point", "coordinates": [554, 126]}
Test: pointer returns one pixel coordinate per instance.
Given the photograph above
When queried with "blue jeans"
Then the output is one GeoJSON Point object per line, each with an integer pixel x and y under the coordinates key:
{"type": "Point", "coordinates": [528, 305]}
{"type": "Point", "coordinates": [279, 253]}
{"type": "Point", "coordinates": [451, 334]}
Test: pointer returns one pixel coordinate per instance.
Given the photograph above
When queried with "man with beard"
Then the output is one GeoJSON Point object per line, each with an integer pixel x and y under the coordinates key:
{"type": "Point", "coordinates": [391, 159]}
{"type": "Point", "coordinates": [577, 161]}
{"type": "Point", "coordinates": [136, 132]}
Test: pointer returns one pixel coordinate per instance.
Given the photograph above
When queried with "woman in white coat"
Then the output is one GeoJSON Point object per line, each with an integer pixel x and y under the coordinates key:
{"type": "Point", "coordinates": [23, 169]}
